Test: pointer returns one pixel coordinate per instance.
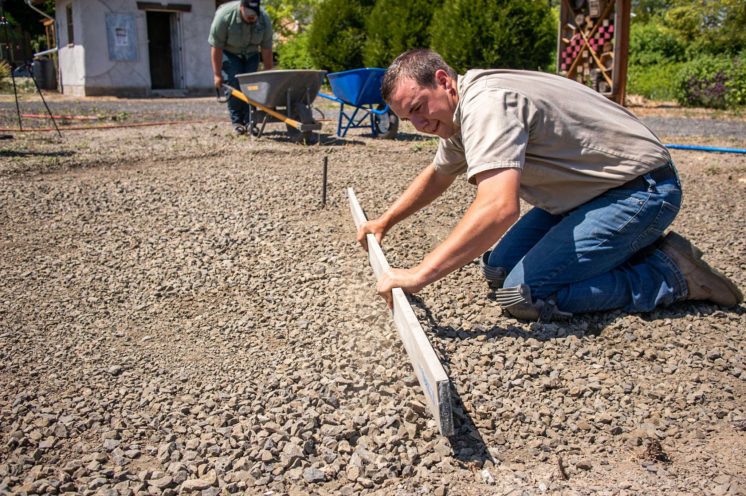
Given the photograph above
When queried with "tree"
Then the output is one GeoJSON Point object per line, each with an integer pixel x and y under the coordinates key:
{"type": "Point", "coordinates": [645, 10]}
{"type": "Point", "coordinates": [714, 26]}
{"type": "Point", "coordinates": [395, 26]}
{"type": "Point", "coordinates": [25, 28]}
{"type": "Point", "coordinates": [290, 16]}
{"type": "Point", "coordinates": [337, 34]}
{"type": "Point", "coordinates": [517, 34]}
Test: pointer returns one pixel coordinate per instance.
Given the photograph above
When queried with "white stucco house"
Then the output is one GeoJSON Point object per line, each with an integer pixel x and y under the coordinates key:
{"type": "Point", "coordinates": [133, 48]}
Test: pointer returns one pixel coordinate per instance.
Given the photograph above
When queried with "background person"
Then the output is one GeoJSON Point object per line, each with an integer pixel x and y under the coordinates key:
{"type": "Point", "coordinates": [603, 187]}
{"type": "Point", "coordinates": [240, 32]}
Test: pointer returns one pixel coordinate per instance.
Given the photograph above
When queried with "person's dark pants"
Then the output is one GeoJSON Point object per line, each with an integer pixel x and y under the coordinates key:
{"type": "Point", "coordinates": [232, 65]}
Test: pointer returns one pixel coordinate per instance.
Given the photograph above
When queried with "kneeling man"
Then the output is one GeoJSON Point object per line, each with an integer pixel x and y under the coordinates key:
{"type": "Point", "coordinates": [603, 187]}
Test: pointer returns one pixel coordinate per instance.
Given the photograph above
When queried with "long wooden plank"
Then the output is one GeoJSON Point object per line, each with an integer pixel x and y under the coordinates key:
{"type": "Point", "coordinates": [428, 369]}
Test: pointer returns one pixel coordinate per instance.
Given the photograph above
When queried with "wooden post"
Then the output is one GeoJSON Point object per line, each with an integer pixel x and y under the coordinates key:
{"type": "Point", "coordinates": [601, 30]}
{"type": "Point", "coordinates": [428, 369]}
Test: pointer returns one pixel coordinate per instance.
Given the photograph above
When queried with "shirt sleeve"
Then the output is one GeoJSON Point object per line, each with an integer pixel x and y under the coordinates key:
{"type": "Point", "coordinates": [267, 38]}
{"type": "Point", "coordinates": [495, 128]}
{"type": "Point", "coordinates": [449, 158]}
{"type": "Point", "coordinates": [218, 32]}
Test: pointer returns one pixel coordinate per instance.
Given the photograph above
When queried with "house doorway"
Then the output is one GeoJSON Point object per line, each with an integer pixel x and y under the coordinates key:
{"type": "Point", "coordinates": [164, 49]}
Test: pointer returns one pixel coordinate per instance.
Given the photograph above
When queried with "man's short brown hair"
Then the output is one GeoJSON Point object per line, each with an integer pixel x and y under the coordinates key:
{"type": "Point", "coordinates": [419, 64]}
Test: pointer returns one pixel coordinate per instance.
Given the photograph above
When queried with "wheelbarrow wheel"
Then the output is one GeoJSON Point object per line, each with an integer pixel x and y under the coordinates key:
{"type": "Point", "coordinates": [305, 137]}
{"type": "Point", "coordinates": [303, 114]}
{"type": "Point", "coordinates": [387, 125]}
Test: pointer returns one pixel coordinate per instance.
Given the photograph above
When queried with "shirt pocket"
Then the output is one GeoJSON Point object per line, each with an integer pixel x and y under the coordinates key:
{"type": "Point", "coordinates": [257, 34]}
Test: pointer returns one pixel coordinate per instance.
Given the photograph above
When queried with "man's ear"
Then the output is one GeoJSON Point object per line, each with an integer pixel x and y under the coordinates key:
{"type": "Point", "coordinates": [442, 79]}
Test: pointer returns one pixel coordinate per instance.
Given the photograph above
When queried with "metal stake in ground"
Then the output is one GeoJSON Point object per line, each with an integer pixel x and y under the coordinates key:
{"type": "Point", "coordinates": [323, 185]}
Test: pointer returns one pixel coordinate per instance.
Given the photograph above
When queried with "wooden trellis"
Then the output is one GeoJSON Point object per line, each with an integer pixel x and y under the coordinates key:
{"type": "Point", "coordinates": [593, 44]}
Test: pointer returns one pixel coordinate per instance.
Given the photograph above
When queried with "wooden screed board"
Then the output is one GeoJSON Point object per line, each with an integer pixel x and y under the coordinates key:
{"type": "Point", "coordinates": [428, 369]}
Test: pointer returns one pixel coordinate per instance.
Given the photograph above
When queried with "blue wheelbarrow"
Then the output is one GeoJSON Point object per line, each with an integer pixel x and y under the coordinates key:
{"type": "Point", "coordinates": [360, 91]}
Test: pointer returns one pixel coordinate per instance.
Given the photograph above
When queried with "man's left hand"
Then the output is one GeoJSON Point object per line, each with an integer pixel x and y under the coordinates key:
{"type": "Point", "coordinates": [408, 280]}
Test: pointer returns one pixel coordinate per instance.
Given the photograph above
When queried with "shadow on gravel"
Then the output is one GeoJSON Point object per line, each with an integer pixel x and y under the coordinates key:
{"type": "Point", "coordinates": [321, 139]}
{"type": "Point", "coordinates": [413, 137]}
{"type": "Point", "coordinates": [18, 153]}
{"type": "Point", "coordinates": [334, 140]}
{"type": "Point", "coordinates": [467, 443]}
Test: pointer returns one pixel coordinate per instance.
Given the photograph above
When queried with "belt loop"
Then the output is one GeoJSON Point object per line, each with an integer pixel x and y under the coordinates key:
{"type": "Point", "coordinates": [651, 182]}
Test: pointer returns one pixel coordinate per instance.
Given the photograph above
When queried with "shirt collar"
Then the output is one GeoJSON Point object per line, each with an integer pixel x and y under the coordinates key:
{"type": "Point", "coordinates": [457, 110]}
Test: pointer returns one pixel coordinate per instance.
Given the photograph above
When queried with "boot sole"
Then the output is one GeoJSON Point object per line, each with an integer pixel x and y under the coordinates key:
{"type": "Point", "coordinates": [694, 255]}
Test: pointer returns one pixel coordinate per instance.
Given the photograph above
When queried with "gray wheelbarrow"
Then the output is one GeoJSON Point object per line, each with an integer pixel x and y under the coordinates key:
{"type": "Point", "coordinates": [281, 96]}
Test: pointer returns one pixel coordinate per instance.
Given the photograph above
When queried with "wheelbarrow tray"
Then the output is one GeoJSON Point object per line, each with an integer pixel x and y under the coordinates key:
{"type": "Point", "coordinates": [358, 87]}
{"type": "Point", "coordinates": [278, 88]}
{"type": "Point", "coordinates": [361, 90]}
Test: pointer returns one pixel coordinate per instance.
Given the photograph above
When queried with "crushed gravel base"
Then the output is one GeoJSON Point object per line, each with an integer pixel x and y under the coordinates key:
{"type": "Point", "coordinates": [179, 315]}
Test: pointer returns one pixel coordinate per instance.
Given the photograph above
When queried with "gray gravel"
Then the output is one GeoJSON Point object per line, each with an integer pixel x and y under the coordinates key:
{"type": "Point", "coordinates": [681, 127]}
{"type": "Point", "coordinates": [179, 315]}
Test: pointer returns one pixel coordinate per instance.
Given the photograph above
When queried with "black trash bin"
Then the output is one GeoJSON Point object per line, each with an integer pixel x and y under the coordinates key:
{"type": "Point", "coordinates": [44, 73]}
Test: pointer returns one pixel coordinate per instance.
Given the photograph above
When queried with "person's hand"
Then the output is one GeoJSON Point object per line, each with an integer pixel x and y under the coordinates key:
{"type": "Point", "coordinates": [218, 81]}
{"type": "Point", "coordinates": [376, 227]}
{"type": "Point", "coordinates": [409, 280]}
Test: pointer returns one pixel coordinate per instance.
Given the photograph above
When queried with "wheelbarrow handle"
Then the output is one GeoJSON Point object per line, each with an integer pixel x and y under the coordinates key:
{"type": "Point", "coordinates": [231, 91]}
{"type": "Point", "coordinates": [222, 96]}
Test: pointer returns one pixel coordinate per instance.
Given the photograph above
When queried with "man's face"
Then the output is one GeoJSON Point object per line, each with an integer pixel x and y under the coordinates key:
{"type": "Point", "coordinates": [429, 109]}
{"type": "Point", "coordinates": [249, 15]}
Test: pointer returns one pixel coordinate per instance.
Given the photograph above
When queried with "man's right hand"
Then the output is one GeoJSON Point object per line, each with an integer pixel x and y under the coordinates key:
{"type": "Point", "coordinates": [376, 227]}
{"type": "Point", "coordinates": [218, 81]}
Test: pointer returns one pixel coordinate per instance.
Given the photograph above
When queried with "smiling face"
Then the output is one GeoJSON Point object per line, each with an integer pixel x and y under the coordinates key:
{"type": "Point", "coordinates": [429, 109]}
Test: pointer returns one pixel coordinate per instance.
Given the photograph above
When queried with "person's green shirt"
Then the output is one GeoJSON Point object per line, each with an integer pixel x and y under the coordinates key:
{"type": "Point", "coordinates": [231, 33]}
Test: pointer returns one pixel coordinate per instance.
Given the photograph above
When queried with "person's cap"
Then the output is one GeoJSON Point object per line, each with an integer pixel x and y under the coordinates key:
{"type": "Point", "coordinates": [250, 4]}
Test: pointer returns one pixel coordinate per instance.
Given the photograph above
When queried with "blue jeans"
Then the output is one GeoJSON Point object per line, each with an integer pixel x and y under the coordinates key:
{"type": "Point", "coordinates": [598, 256]}
{"type": "Point", "coordinates": [232, 65]}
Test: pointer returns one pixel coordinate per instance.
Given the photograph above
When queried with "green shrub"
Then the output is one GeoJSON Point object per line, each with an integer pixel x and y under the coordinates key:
{"type": "Point", "coordinates": [736, 95]}
{"type": "Point", "coordinates": [652, 44]}
{"type": "Point", "coordinates": [395, 26]}
{"type": "Point", "coordinates": [712, 81]}
{"type": "Point", "coordinates": [336, 37]}
{"type": "Point", "coordinates": [293, 53]}
{"type": "Point", "coordinates": [655, 82]}
{"type": "Point", "coordinates": [517, 34]}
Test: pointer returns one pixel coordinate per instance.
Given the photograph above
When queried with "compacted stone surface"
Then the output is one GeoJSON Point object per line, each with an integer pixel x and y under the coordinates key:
{"type": "Point", "coordinates": [179, 315]}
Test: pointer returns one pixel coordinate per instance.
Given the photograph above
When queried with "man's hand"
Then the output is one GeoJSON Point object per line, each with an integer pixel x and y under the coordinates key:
{"type": "Point", "coordinates": [408, 279]}
{"type": "Point", "coordinates": [218, 81]}
{"type": "Point", "coordinates": [376, 227]}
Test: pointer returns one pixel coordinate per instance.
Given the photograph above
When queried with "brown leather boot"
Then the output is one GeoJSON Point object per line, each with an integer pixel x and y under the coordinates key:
{"type": "Point", "coordinates": [703, 282]}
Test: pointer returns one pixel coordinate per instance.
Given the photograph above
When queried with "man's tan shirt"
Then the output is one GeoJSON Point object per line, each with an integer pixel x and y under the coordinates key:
{"type": "Point", "coordinates": [571, 142]}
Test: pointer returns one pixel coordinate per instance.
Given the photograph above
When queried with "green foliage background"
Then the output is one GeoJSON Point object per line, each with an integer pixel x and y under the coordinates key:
{"type": "Point", "coordinates": [395, 26]}
{"type": "Point", "coordinates": [690, 51]}
{"type": "Point", "coordinates": [336, 37]}
{"type": "Point", "coordinates": [519, 34]}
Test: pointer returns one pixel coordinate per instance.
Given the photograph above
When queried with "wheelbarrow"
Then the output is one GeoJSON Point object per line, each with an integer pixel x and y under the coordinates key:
{"type": "Point", "coordinates": [360, 90]}
{"type": "Point", "coordinates": [280, 96]}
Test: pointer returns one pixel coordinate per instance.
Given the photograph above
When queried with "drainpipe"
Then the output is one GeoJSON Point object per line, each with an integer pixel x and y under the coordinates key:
{"type": "Point", "coordinates": [43, 14]}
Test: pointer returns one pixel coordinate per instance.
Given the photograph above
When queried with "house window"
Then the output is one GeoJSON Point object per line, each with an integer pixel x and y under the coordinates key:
{"type": "Point", "coordinates": [70, 30]}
